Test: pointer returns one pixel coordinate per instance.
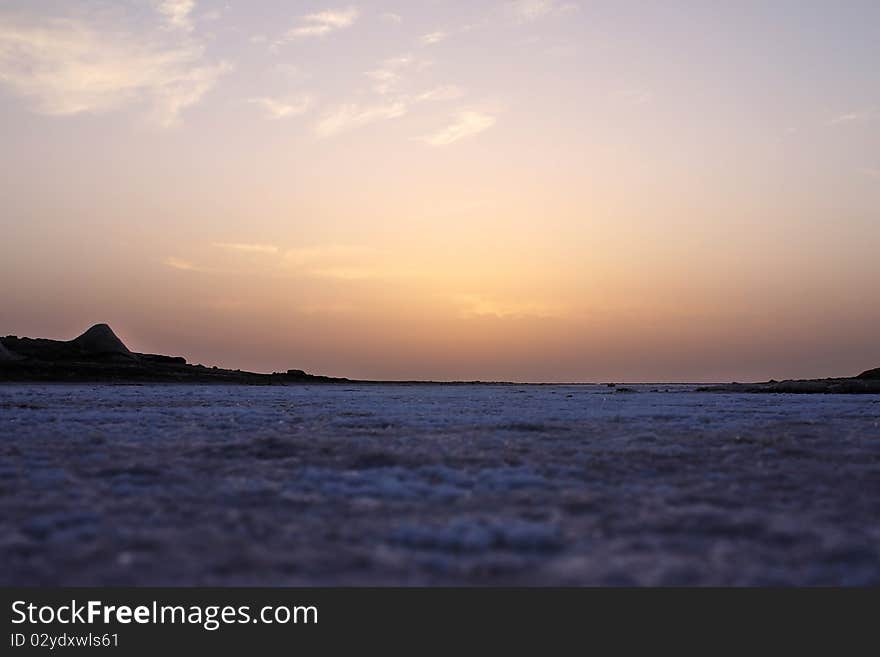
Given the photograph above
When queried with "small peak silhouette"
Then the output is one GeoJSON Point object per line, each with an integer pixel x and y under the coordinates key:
{"type": "Point", "coordinates": [100, 339]}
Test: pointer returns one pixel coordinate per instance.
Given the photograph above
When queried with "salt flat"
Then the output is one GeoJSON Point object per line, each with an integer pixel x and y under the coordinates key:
{"type": "Point", "coordinates": [430, 484]}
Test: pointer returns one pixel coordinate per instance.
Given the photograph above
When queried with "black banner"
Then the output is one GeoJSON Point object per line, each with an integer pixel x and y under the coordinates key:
{"type": "Point", "coordinates": [147, 620]}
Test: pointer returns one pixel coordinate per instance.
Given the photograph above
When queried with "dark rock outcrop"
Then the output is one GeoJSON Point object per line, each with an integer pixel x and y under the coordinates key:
{"type": "Point", "coordinates": [6, 355]}
{"type": "Point", "coordinates": [98, 355]}
{"type": "Point", "coordinates": [159, 358]}
{"type": "Point", "coordinates": [870, 375]}
{"type": "Point", "coordinates": [98, 343]}
{"type": "Point", "coordinates": [100, 340]}
{"type": "Point", "coordinates": [851, 386]}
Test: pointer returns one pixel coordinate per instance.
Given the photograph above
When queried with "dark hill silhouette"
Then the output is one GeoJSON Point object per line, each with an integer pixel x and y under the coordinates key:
{"type": "Point", "coordinates": [870, 375]}
{"type": "Point", "coordinates": [100, 340]}
{"type": "Point", "coordinates": [6, 355]}
{"type": "Point", "coordinates": [99, 355]}
{"type": "Point", "coordinates": [865, 383]}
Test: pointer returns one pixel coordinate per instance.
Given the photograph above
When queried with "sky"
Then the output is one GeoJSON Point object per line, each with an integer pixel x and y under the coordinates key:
{"type": "Point", "coordinates": [530, 190]}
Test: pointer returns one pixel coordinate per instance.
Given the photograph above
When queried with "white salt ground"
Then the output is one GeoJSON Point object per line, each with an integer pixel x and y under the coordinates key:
{"type": "Point", "coordinates": [361, 484]}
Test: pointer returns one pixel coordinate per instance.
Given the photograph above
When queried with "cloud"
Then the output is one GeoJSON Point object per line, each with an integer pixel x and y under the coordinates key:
{"type": "Point", "coordinates": [349, 116]}
{"type": "Point", "coordinates": [341, 261]}
{"type": "Point", "coordinates": [178, 263]}
{"type": "Point", "coordinates": [344, 273]}
{"type": "Point", "coordinates": [65, 66]}
{"type": "Point", "coordinates": [443, 92]}
{"type": "Point", "coordinates": [338, 261]}
{"type": "Point", "coordinates": [324, 253]}
{"type": "Point", "coordinates": [527, 11]}
{"type": "Point", "coordinates": [384, 79]}
{"type": "Point", "coordinates": [280, 108]}
{"type": "Point", "coordinates": [467, 124]}
{"type": "Point", "coordinates": [472, 306]}
{"type": "Point", "coordinates": [246, 248]}
{"type": "Point", "coordinates": [433, 37]}
{"type": "Point", "coordinates": [388, 76]}
{"type": "Point", "coordinates": [391, 17]}
{"type": "Point", "coordinates": [860, 116]}
{"type": "Point", "coordinates": [323, 23]}
{"type": "Point", "coordinates": [177, 13]}
{"type": "Point", "coordinates": [326, 308]}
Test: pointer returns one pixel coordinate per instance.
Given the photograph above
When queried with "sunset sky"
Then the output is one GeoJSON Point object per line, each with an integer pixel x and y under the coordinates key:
{"type": "Point", "coordinates": [535, 190]}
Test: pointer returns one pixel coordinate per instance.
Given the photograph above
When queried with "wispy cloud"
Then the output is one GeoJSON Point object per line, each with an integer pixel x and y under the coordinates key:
{"type": "Point", "coordinates": [384, 79]}
{"type": "Point", "coordinates": [323, 23]}
{"type": "Point", "coordinates": [326, 253]}
{"type": "Point", "coordinates": [177, 13]}
{"type": "Point", "coordinates": [437, 36]}
{"type": "Point", "coordinates": [443, 92]}
{"type": "Point", "coordinates": [349, 116]}
{"type": "Point", "coordinates": [388, 76]}
{"type": "Point", "coordinates": [351, 273]}
{"type": "Point", "coordinates": [466, 124]}
{"type": "Point", "coordinates": [433, 37]}
{"type": "Point", "coordinates": [527, 11]}
{"type": "Point", "coordinates": [473, 306]}
{"type": "Point", "coordinates": [391, 17]}
{"type": "Point", "coordinates": [341, 261]}
{"type": "Point", "coordinates": [246, 247]}
{"type": "Point", "coordinates": [179, 263]}
{"type": "Point", "coordinates": [858, 116]}
{"type": "Point", "coordinates": [280, 108]}
{"type": "Point", "coordinates": [67, 66]}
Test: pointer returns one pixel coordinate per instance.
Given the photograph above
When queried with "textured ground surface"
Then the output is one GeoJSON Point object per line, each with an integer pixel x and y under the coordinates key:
{"type": "Point", "coordinates": [436, 485]}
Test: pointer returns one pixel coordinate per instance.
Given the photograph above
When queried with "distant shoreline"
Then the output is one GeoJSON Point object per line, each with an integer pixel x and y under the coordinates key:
{"type": "Point", "coordinates": [17, 375]}
{"type": "Point", "coordinates": [98, 356]}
